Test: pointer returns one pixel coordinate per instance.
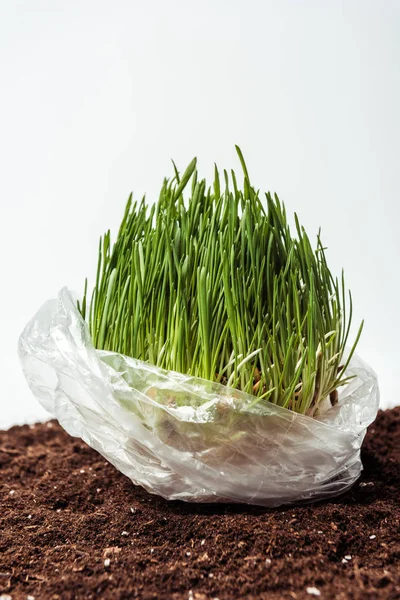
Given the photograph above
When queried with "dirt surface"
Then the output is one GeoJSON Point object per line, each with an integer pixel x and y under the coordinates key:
{"type": "Point", "coordinates": [71, 526]}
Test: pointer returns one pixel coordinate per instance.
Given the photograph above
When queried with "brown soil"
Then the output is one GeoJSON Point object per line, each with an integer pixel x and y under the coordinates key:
{"type": "Point", "coordinates": [71, 526]}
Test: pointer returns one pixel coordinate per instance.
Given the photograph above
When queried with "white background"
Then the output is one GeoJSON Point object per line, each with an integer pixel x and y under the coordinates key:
{"type": "Point", "coordinates": [96, 97]}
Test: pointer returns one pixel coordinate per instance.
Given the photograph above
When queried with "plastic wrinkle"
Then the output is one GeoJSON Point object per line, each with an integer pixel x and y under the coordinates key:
{"type": "Point", "coordinates": [186, 438]}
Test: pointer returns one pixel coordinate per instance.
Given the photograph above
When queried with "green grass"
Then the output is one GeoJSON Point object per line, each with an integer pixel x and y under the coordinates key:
{"type": "Point", "coordinates": [216, 286]}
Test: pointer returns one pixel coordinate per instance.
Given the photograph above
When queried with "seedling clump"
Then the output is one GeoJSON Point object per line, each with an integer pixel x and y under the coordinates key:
{"type": "Point", "coordinates": [217, 287]}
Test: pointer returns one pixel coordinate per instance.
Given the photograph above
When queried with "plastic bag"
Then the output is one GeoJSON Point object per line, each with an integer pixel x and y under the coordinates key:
{"type": "Point", "coordinates": [186, 438]}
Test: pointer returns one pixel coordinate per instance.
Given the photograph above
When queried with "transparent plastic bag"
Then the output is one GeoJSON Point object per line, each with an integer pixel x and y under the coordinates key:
{"type": "Point", "coordinates": [186, 438]}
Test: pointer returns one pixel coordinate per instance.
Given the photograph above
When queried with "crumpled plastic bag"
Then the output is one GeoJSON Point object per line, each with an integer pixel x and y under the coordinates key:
{"type": "Point", "coordinates": [186, 438]}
